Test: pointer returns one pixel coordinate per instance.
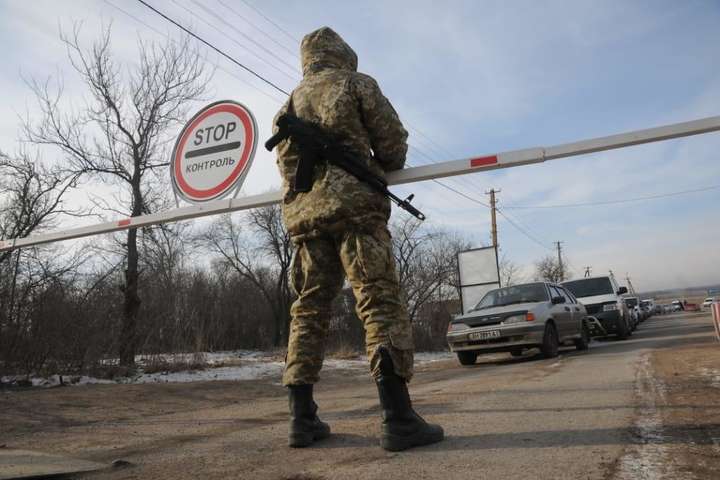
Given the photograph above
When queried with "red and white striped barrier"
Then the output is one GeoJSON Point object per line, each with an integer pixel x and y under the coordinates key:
{"type": "Point", "coordinates": [514, 158]}
{"type": "Point", "coordinates": [715, 307]}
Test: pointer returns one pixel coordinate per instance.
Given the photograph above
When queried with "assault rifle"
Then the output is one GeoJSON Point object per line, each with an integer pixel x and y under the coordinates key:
{"type": "Point", "coordinates": [317, 145]}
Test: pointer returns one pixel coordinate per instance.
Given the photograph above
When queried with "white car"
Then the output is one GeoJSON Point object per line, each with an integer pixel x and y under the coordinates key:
{"type": "Point", "coordinates": [708, 301]}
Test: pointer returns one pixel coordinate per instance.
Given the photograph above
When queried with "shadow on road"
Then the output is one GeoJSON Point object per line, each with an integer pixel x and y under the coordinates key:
{"type": "Point", "coordinates": [443, 408]}
{"type": "Point", "coordinates": [672, 434]}
{"type": "Point", "coordinates": [345, 440]}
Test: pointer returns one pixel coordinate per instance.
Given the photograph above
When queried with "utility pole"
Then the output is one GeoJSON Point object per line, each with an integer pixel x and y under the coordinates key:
{"type": "Point", "coordinates": [587, 271]}
{"type": "Point", "coordinates": [493, 213]}
{"type": "Point", "coordinates": [560, 262]}
{"type": "Point", "coordinates": [630, 285]}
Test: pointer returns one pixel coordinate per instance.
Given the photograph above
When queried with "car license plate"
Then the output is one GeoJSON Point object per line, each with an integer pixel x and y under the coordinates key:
{"type": "Point", "coordinates": [484, 335]}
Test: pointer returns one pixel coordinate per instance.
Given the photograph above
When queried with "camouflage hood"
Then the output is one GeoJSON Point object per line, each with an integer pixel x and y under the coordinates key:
{"type": "Point", "coordinates": [323, 49]}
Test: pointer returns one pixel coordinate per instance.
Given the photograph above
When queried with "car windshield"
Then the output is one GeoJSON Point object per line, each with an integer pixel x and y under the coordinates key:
{"type": "Point", "coordinates": [645, 303]}
{"type": "Point", "coordinates": [528, 293]}
{"type": "Point", "coordinates": [589, 287]}
{"type": "Point", "coordinates": [631, 302]}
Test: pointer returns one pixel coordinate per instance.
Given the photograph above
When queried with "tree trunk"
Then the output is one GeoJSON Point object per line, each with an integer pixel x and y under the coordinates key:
{"type": "Point", "coordinates": [131, 305]}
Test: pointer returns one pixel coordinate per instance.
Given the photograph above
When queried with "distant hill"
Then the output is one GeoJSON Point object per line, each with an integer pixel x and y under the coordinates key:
{"type": "Point", "coordinates": [699, 291]}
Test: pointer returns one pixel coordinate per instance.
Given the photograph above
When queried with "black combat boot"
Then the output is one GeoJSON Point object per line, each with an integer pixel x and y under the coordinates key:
{"type": "Point", "coordinates": [305, 426]}
{"type": "Point", "coordinates": [402, 428]}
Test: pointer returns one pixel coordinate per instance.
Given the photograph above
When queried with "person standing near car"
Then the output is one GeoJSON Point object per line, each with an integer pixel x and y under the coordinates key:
{"type": "Point", "coordinates": [339, 230]}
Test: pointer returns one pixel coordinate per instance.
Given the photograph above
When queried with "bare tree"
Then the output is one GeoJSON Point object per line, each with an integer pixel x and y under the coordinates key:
{"type": "Point", "coordinates": [276, 244]}
{"type": "Point", "coordinates": [549, 269]}
{"type": "Point", "coordinates": [31, 199]}
{"type": "Point", "coordinates": [31, 196]}
{"type": "Point", "coordinates": [261, 255]}
{"type": "Point", "coordinates": [121, 135]}
{"type": "Point", "coordinates": [426, 261]}
{"type": "Point", "coordinates": [509, 272]}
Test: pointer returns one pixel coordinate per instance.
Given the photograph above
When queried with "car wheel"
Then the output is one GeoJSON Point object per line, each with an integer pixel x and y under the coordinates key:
{"type": "Point", "coordinates": [623, 331]}
{"type": "Point", "coordinates": [467, 358]}
{"type": "Point", "coordinates": [583, 342]}
{"type": "Point", "coordinates": [516, 352]}
{"type": "Point", "coordinates": [550, 342]}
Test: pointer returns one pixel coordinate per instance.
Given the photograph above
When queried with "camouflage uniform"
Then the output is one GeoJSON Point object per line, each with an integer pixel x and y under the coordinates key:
{"type": "Point", "coordinates": [340, 227]}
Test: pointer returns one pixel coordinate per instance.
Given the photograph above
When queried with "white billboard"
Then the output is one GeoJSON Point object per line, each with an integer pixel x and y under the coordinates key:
{"type": "Point", "coordinates": [479, 273]}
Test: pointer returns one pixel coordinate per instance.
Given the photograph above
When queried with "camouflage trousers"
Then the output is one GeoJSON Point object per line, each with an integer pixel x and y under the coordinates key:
{"type": "Point", "coordinates": [319, 268]}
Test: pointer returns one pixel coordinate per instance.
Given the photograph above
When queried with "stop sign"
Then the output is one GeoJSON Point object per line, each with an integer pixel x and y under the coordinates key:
{"type": "Point", "coordinates": [214, 152]}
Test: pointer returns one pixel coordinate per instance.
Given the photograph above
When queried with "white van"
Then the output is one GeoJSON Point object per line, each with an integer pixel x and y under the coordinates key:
{"type": "Point", "coordinates": [602, 299]}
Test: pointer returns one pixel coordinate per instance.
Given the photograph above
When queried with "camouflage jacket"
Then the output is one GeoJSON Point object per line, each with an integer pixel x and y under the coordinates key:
{"type": "Point", "coordinates": [350, 104]}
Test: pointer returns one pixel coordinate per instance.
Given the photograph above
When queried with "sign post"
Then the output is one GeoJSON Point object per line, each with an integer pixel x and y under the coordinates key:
{"type": "Point", "coordinates": [214, 152]}
{"type": "Point", "coordinates": [715, 306]}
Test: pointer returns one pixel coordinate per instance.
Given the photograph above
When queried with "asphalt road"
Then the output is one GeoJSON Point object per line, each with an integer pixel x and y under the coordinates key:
{"type": "Point", "coordinates": [578, 416]}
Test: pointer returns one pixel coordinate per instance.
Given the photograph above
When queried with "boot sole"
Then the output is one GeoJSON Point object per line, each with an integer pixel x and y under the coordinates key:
{"type": "Point", "coordinates": [397, 443]}
{"type": "Point", "coordinates": [302, 440]}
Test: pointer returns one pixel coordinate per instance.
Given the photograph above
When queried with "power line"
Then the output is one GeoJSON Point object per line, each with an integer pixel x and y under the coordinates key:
{"type": "Point", "coordinates": [194, 15]}
{"type": "Point", "coordinates": [256, 27]}
{"type": "Point", "coordinates": [150, 27]}
{"type": "Point", "coordinates": [570, 266]}
{"type": "Point", "coordinates": [466, 182]}
{"type": "Point", "coordinates": [523, 226]}
{"type": "Point", "coordinates": [468, 197]}
{"type": "Point", "coordinates": [248, 69]}
{"type": "Point", "coordinates": [522, 230]}
{"type": "Point", "coordinates": [197, 37]}
{"type": "Point", "coordinates": [289, 35]}
{"type": "Point", "coordinates": [612, 202]}
{"type": "Point", "coordinates": [417, 148]}
{"type": "Point", "coordinates": [244, 35]}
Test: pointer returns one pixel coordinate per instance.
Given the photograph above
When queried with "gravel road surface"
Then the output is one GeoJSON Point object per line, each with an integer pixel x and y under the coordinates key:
{"type": "Point", "coordinates": [634, 409]}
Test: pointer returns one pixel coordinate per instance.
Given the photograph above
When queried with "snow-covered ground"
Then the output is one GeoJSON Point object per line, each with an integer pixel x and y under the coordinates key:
{"type": "Point", "coordinates": [232, 365]}
{"type": "Point", "coordinates": [713, 374]}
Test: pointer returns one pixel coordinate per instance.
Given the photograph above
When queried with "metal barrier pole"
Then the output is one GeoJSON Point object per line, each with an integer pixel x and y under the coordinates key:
{"type": "Point", "coordinates": [508, 159]}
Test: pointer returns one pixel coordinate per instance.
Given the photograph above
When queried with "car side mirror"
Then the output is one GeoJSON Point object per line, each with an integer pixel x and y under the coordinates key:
{"type": "Point", "coordinates": [622, 291]}
{"type": "Point", "coordinates": [556, 300]}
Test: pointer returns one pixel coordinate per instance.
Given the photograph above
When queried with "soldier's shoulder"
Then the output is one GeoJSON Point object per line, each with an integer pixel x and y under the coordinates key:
{"type": "Point", "coordinates": [364, 83]}
{"type": "Point", "coordinates": [363, 77]}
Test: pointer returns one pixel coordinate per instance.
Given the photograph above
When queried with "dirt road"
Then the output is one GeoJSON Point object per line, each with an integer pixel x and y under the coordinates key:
{"type": "Point", "coordinates": [644, 408]}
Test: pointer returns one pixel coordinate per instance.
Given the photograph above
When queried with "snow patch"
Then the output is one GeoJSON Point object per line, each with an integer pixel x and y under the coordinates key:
{"type": "Point", "coordinates": [230, 365]}
{"type": "Point", "coordinates": [713, 375]}
{"type": "Point", "coordinates": [429, 357]}
{"type": "Point", "coordinates": [247, 372]}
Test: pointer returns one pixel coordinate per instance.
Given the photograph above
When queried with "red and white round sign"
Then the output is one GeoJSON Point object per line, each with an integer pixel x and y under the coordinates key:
{"type": "Point", "coordinates": [214, 152]}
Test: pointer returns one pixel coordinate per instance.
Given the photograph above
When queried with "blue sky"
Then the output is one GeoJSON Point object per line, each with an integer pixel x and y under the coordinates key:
{"type": "Point", "coordinates": [476, 77]}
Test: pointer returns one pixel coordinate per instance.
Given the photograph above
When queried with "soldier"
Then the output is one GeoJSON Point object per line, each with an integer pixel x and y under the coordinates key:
{"type": "Point", "coordinates": [339, 229]}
